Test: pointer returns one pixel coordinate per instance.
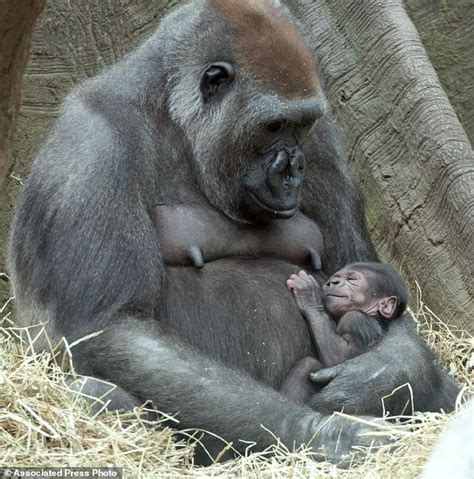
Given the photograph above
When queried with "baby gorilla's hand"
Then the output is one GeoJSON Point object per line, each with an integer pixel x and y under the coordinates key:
{"type": "Point", "coordinates": [306, 290]}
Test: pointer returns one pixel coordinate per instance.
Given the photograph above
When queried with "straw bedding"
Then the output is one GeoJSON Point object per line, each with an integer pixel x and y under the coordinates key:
{"type": "Point", "coordinates": [42, 425]}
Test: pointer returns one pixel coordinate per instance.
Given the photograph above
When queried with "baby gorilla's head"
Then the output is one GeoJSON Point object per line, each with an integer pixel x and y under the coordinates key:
{"type": "Point", "coordinates": [373, 288]}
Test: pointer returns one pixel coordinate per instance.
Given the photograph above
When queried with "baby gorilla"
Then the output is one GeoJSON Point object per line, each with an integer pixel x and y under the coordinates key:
{"type": "Point", "coordinates": [346, 317]}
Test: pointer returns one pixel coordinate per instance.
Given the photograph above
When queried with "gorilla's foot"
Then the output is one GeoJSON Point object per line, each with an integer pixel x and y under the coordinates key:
{"type": "Point", "coordinates": [338, 438]}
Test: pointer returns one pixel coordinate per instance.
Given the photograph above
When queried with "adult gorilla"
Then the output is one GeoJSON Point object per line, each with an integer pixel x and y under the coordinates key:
{"type": "Point", "coordinates": [213, 112]}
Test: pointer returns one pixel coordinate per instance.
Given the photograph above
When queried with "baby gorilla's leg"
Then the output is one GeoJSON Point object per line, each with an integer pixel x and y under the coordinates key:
{"type": "Point", "coordinates": [297, 385]}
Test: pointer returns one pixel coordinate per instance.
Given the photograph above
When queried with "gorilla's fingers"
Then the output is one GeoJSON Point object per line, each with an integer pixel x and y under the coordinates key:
{"type": "Point", "coordinates": [195, 254]}
{"type": "Point", "coordinates": [101, 395]}
{"type": "Point", "coordinates": [325, 376]}
{"type": "Point", "coordinates": [315, 260]}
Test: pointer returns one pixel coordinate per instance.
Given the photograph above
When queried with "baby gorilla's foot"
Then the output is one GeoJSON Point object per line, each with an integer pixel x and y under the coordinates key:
{"type": "Point", "coordinates": [306, 290]}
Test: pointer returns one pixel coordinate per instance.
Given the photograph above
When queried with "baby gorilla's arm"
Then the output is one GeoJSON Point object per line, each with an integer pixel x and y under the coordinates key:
{"type": "Point", "coordinates": [360, 331]}
{"type": "Point", "coordinates": [353, 335]}
{"type": "Point", "coordinates": [332, 347]}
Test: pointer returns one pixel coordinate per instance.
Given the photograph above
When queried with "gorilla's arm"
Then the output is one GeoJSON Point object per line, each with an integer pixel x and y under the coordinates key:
{"type": "Point", "coordinates": [401, 360]}
{"type": "Point", "coordinates": [85, 257]}
{"type": "Point", "coordinates": [333, 199]}
{"type": "Point", "coordinates": [141, 358]}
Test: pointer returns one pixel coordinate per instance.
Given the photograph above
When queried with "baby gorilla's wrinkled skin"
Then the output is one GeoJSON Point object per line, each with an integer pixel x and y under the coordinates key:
{"type": "Point", "coordinates": [345, 316]}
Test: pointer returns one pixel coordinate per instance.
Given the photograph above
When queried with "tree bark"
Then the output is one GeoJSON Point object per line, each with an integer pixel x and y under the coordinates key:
{"type": "Point", "coordinates": [405, 143]}
{"type": "Point", "coordinates": [16, 26]}
{"type": "Point", "coordinates": [446, 30]}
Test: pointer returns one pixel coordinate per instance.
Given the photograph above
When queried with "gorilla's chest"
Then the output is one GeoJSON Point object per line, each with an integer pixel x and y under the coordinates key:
{"type": "Point", "coordinates": [199, 234]}
{"type": "Point", "coordinates": [239, 311]}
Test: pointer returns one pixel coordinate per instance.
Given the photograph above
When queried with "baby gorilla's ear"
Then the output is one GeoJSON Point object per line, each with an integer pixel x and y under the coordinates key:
{"type": "Point", "coordinates": [387, 306]}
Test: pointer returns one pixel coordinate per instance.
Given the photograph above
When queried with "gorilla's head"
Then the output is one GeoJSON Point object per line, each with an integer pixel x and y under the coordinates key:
{"type": "Point", "coordinates": [245, 94]}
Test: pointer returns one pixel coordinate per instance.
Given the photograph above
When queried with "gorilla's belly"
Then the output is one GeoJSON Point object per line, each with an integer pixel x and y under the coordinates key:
{"type": "Point", "coordinates": [239, 311]}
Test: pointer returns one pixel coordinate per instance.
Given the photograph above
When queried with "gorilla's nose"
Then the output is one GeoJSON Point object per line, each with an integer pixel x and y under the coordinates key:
{"type": "Point", "coordinates": [286, 170]}
{"type": "Point", "coordinates": [296, 161]}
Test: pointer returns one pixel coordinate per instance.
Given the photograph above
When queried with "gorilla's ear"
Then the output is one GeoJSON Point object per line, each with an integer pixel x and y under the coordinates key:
{"type": "Point", "coordinates": [387, 306]}
{"type": "Point", "coordinates": [216, 78]}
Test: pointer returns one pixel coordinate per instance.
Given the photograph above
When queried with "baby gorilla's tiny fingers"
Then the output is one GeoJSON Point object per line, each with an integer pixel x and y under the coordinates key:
{"type": "Point", "coordinates": [307, 279]}
{"type": "Point", "coordinates": [298, 282]}
{"type": "Point", "coordinates": [303, 274]}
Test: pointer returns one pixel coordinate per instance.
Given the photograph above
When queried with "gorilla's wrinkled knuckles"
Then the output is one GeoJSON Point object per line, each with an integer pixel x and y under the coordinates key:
{"type": "Point", "coordinates": [255, 99]}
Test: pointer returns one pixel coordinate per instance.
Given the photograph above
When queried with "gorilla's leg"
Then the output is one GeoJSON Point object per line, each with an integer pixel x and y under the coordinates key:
{"type": "Point", "coordinates": [152, 364]}
{"type": "Point", "coordinates": [297, 385]}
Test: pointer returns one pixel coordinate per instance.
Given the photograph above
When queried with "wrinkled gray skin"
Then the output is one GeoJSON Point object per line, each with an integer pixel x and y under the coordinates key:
{"type": "Point", "coordinates": [211, 345]}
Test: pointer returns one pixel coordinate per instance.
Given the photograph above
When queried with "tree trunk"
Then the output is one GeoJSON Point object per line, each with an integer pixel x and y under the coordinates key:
{"type": "Point", "coordinates": [16, 26]}
{"type": "Point", "coordinates": [405, 144]}
{"type": "Point", "coordinates": [446, 29]}
{"type": "Point", "coordinates": [404, 141]}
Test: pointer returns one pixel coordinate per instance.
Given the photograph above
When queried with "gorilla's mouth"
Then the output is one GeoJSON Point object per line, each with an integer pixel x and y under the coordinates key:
{"type": "Point", "coordinates": [273, 210]}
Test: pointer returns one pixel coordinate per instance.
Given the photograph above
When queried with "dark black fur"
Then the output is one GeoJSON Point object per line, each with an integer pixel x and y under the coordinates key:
{"type": "Point", "coordinates": [386, 282]}
{"type": "Point", "coordinates": [210, 345]}
{"type": "Point", "coordinates": [361, 331]}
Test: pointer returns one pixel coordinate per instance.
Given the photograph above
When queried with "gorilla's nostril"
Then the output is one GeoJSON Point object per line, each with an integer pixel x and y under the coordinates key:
{"type": "Point", "coordinates": [292, 152]}
{"type": "Point", "coordinates": [279, 164]}
{"type": "Point", "coordinates": [296, 165]}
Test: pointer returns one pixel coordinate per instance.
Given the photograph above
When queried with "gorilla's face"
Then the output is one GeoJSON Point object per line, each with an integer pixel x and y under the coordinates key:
{"type": "Point", "coordinates": [271, 181]}
{"type": "Point", "coordinates": [245, 96]}
{"type": "Point", "coordinates": [249, 150]}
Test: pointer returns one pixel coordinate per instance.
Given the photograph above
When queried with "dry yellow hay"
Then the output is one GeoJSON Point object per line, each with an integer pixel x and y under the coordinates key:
{"type": "Point", "coordinates": [41, 425]}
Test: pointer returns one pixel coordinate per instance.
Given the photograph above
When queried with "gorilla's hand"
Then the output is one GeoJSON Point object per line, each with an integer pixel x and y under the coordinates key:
{"type": "Point", "coordinates": [356, 386]}
{"type": "Point", "coordinates": [391, 378]}
{"type": "Point", "coordinates": [324, 376]}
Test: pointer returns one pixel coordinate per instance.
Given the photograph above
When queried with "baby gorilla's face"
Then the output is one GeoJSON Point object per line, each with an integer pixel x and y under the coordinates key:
{"type": "Point", "coordinates": [349, 290]}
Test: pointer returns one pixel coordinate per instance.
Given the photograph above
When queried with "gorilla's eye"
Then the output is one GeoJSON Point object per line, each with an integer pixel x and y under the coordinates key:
{"type": "Point", "coordinates": [216, 78]}
{"type": "Point", "coordinates": [304, 126]}
{"type": "Point", "coordinates": [302, 129]}
{"type": "Point", "coordinates": [275, 126]}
